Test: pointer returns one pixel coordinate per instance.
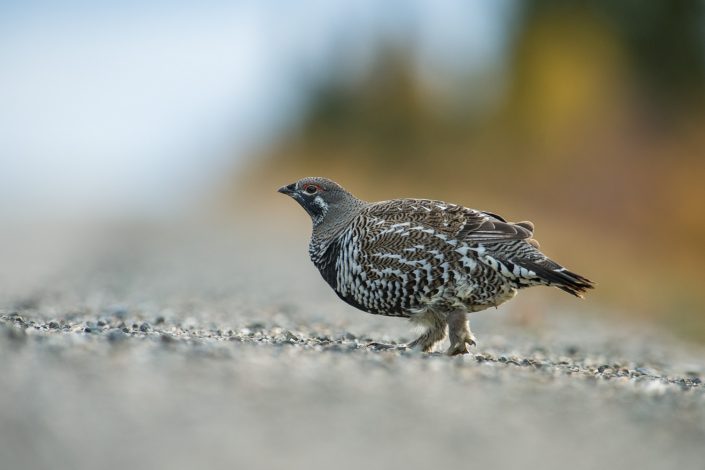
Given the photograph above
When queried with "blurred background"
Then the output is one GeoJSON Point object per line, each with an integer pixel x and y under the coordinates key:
{"type": "Point", "coordinates": [586, 118]}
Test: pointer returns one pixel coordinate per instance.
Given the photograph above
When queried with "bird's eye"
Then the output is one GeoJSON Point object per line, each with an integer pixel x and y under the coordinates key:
{"type": "Point", "coordinates": [310, 189]}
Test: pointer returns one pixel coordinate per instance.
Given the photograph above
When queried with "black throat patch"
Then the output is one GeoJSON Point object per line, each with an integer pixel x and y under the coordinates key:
{"type": "Point", "coordinates": [316, 207]}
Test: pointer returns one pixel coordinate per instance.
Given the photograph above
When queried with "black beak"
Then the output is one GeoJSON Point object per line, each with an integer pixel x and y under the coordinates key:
{"type": "Point", "coordinates": [288, 190]}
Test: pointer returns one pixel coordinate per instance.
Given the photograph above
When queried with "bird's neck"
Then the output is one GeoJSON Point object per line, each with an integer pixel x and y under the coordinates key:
{"type": "Point", "coordinates": [335, 223]}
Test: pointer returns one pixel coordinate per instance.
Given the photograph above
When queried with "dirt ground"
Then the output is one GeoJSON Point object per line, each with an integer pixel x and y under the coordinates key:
{"type": "Point", "coordinates": [236, 355]}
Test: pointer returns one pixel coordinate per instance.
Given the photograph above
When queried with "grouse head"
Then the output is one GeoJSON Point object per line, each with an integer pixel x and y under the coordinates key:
{"type": "Point", "coordinates": [328, 204]}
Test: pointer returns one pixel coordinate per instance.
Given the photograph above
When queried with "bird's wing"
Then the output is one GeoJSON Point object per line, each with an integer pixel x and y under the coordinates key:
{"type": "Point", "coordinates": [449, 220]}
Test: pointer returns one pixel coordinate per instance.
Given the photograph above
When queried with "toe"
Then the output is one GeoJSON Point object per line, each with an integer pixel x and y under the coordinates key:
{"type": "Point", "coordinates": [457, 349]}
{"type": "Point", "coordinates": [471, 341]}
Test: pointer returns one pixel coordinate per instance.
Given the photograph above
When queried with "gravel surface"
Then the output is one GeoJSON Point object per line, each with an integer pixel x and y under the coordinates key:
{"type": "Point", "coordinates": [146, 357]}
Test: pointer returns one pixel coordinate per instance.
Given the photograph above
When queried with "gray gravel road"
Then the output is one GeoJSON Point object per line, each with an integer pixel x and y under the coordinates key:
{"type": "Point", "coordinates": [143, 357]}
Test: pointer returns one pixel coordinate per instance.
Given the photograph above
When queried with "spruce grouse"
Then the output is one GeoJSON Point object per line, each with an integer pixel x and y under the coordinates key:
{"type": "Point", "coordinates": [429, 261]}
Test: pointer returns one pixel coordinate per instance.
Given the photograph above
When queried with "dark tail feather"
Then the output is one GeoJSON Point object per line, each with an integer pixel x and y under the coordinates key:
{"type": "Point", "coordinates": [557, 276]}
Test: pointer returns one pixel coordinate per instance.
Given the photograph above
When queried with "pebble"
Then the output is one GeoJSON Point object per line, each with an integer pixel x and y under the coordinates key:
{"type": "Point", "coordinates": [289, 336]}
{"type": "Point", "coordinates": [167, 339]}
{"type": "Point", "coordinates": [115, 335]}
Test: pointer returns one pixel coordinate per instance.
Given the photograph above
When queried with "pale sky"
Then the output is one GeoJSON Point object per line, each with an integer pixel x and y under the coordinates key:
{"type": "Point", "coordinates": [140, 105]}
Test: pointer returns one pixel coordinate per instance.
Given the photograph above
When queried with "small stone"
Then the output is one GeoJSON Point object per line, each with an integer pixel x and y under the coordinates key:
{"type": "Point", "coordinates": [159, 320]}
{"type": "Point", "coordinates": [116, 335]}
{"type": "Point", "coordinates": [349, 336]}
{"type": "Point", "coordinates": [101, 323]}
{"type": "Point", "coordinates": [696, 380]}
{"type": "Point", "coordinates": [87, 330]}
{"type": "Point", "coordinates": [289, 336]}
{"type": "Point", "coordinates": [145, 327]}
{"type": "Point", "coordinates": [167, 339]}
{"type": "Point", "coordinates": [644, 371]}
{"type": "Point", "coordinates": [54, 325]}
{"type": "Point", "coordinates": [602, 368]}
{"type": "Point", "coordinates": [380, 346]}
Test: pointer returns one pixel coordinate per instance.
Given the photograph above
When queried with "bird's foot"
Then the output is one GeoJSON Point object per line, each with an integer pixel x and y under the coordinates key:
{"type": "Point", "coordinates": [461, 346]}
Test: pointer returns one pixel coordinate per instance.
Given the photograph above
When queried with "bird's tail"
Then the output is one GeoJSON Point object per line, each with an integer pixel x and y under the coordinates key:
{"type": "Point", "coordinates": [553, 274]}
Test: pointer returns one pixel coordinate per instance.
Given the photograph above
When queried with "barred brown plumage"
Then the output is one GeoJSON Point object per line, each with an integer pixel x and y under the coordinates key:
{"type": "Point", "coordinates": [430, 261]}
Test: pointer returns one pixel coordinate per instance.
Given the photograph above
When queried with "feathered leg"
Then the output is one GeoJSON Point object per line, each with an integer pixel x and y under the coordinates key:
{"type": "Point", "coordinates": [436, 332]}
